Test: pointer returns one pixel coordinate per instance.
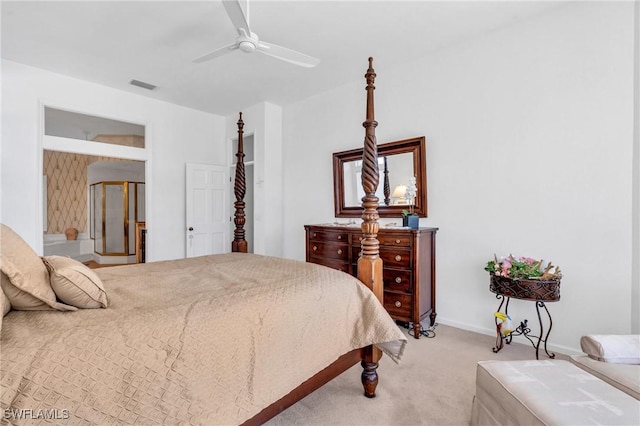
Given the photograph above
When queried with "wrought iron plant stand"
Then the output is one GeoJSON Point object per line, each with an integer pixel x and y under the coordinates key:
{"type": "Point", "coordinates": [536, 290]}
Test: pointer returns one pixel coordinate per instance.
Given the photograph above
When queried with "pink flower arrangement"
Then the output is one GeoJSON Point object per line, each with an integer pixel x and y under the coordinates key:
{"type": "Point", "coordinates": [522, 268]}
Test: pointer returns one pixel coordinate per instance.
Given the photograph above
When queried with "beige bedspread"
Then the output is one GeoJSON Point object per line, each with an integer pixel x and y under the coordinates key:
{"type": "Point", "coordinates": [209, 340]}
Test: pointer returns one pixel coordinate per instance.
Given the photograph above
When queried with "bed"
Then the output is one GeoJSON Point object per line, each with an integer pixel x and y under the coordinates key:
{"type": "Point", "coordinates": [222, 339]}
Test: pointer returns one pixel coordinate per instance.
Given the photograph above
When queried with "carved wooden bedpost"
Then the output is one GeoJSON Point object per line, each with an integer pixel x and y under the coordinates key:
{"type": "Point", "coordinates": [239, 244]}
{"type": "Point", "coordinates": [386, 188]}
{"type": "Point", "coordinates": [370, 263]}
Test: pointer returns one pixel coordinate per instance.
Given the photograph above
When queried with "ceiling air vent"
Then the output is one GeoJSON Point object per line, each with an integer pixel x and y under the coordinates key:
{"type": "Point", "coordinates": [142, 84]}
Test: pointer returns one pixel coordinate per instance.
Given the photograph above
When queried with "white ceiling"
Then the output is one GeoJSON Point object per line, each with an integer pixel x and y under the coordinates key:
{"type": "Point", "coordinates": [113, 42]}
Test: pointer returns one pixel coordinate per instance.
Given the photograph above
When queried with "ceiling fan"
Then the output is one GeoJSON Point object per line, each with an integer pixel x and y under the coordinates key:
{"type": "Point", "coordinates": [249, 42]}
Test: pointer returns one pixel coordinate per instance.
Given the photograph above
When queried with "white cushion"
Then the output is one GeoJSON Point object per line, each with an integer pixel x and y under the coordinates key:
{"type": "Point", "coordinates": [614, 348]}
{"type": "Point", "coordinates": [625, 377]}
{"type": "Point", "coordinates": [547, 392]}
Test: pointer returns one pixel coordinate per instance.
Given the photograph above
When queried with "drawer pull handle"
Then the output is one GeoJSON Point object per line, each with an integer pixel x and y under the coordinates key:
{"type": "Point", "coordinates": [315, 248]}
{"type": "Point", "coordinates": [315, 235]}
{"type": "Point", "coordinates": [398, 258]}
{"type": "Point", "coordinates": [398, 303]}
{"type": "Point", "coordinates": [398, 280]}
{"type": "Point", "coordinates": [339, 237]}
{"type": "Point", "coordinates": [339, 251]}
{"type": "Point", "coordinates": [397, 241]}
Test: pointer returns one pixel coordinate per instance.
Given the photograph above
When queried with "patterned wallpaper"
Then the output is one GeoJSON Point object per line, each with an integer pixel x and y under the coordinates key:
{"type": "Point", "coordinates": [67, 190]}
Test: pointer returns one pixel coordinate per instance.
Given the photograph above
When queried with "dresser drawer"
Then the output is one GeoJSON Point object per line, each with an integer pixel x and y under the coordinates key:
{"type": "Point", "coordinates": [332, 263]}
{"type": "Point", "coordinates": [395, 257]}
{"type": "Point", "coordinates": [395, 240]}
{"type": "Point", "coordinates": [333, 251]}
{"type": "Point", "coordinates": [398, 304]}
{"type": "Point", "coordinates": [390, 256]}
{"type": "Point", "coordinates": [397, 280]}
{"type": "Point", "coordinates": [328, 236]}
{"type": "Point", "coordinates": [408, 257]}
{"type": "Point", "coordinates": [387, 240]}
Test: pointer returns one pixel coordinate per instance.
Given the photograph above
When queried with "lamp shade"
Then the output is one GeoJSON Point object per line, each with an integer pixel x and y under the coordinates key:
{"type": "Point", "coordinates": [399, 192]}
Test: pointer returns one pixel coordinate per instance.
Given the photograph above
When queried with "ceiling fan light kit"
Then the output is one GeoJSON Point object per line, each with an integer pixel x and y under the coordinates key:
{"type": "Point", "coordinates": [249, 42]}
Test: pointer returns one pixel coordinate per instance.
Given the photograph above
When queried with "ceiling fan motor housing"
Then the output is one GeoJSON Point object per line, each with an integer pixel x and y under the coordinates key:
{"type": "Point", "coordinates": [247, 46]}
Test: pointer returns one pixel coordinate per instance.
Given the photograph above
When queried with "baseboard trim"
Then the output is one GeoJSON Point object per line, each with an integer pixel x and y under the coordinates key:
{"type": "Point", "coordinates": [566, 350]}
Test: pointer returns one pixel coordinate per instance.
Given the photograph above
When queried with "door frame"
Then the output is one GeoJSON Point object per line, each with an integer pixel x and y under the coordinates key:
{"type": "Point", "coordinates": [79, 146]}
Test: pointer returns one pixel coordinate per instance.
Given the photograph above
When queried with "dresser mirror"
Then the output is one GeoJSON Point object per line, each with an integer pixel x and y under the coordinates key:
{"type": "Point", "coordinates": [397, 162]}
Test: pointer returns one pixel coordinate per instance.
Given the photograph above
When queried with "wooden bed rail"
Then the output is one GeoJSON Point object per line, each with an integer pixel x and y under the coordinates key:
{"type": "Point", "coordinates": [370, 263]}
{"type": "Point", "coordinates": [239, 243]}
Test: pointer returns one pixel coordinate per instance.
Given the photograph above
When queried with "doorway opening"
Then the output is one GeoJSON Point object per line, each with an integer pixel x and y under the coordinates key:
{"type": "Point", "coordinates": [85, 191]}
{"type": "Point", "coordinates": [89, 201]}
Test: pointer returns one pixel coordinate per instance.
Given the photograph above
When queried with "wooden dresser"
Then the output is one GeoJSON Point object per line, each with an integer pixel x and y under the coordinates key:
{"type": "Point", "coordinates": [409, 267]}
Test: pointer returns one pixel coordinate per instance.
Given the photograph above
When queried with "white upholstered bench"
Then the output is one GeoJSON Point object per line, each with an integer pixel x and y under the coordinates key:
{"type": "Point", "coordinates": [551, 392]}
{"type": "Point", "coordinates": [613, 358]}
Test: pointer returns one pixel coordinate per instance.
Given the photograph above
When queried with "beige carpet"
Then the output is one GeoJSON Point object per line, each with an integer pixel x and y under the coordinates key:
{"type": "Point", "coordinates": [433, 385]}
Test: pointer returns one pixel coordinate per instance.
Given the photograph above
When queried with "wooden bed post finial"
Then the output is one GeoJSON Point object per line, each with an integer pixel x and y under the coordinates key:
{"type": "Point", "coordinates": [370, 263]}
{"type": "Point", "coordinates": [239, 243]}
{"type": "Point", "coordinates": [370, 175]}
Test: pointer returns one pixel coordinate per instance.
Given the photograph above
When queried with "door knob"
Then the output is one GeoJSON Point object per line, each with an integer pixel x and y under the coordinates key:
{"type": "Point", "coordinates": [191, 228]}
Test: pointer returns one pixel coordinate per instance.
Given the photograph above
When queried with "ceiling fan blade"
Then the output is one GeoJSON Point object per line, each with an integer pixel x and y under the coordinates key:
{"type": "Point", "coordinates": [236, 14]}
{"type": "Point", "coordinates": [216, 53]}
{"type": "Point", "coordinates": [288, 55]}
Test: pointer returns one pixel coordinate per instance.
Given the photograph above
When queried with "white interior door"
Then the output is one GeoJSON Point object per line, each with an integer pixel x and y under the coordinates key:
{"type": "Point", "coordinates": [207, 210]}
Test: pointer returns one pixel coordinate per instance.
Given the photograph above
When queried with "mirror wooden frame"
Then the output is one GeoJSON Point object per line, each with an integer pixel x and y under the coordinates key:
{"type": "Point", "coordinates": [415, 146]}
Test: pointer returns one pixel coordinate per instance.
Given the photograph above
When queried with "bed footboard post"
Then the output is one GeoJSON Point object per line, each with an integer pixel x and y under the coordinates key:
{"type": "Point", "coordinates": [239, 243]}
{"type": "Point", "coordinates": [369, 376]}
{"type": "Point", "coordinates": [370, 263]}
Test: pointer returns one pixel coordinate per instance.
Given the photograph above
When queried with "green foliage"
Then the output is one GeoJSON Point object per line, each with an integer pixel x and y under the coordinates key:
{"type": "Point", "coordinates": [521, 269]}
{"type": "Point", "coordinates": [491, 266]}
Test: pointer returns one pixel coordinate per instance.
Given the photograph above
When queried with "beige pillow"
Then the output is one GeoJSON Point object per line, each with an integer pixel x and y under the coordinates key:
{"type": "Point", "coordinates": [74, 283]}
{"type": "Point", "coordinates": [28, 287]}
{"type": "Point", "coordinates": [5, 305]}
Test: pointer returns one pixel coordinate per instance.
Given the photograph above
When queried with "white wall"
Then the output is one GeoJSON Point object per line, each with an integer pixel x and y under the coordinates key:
{"type": "Point", "coordinates": [174, 136]}
{"type": "Point", "coordinates": [134, 172]}
{"type": "Point", "coordinates": [635, 291]}
{"type": "Point", "coordinates": [529, 139]}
